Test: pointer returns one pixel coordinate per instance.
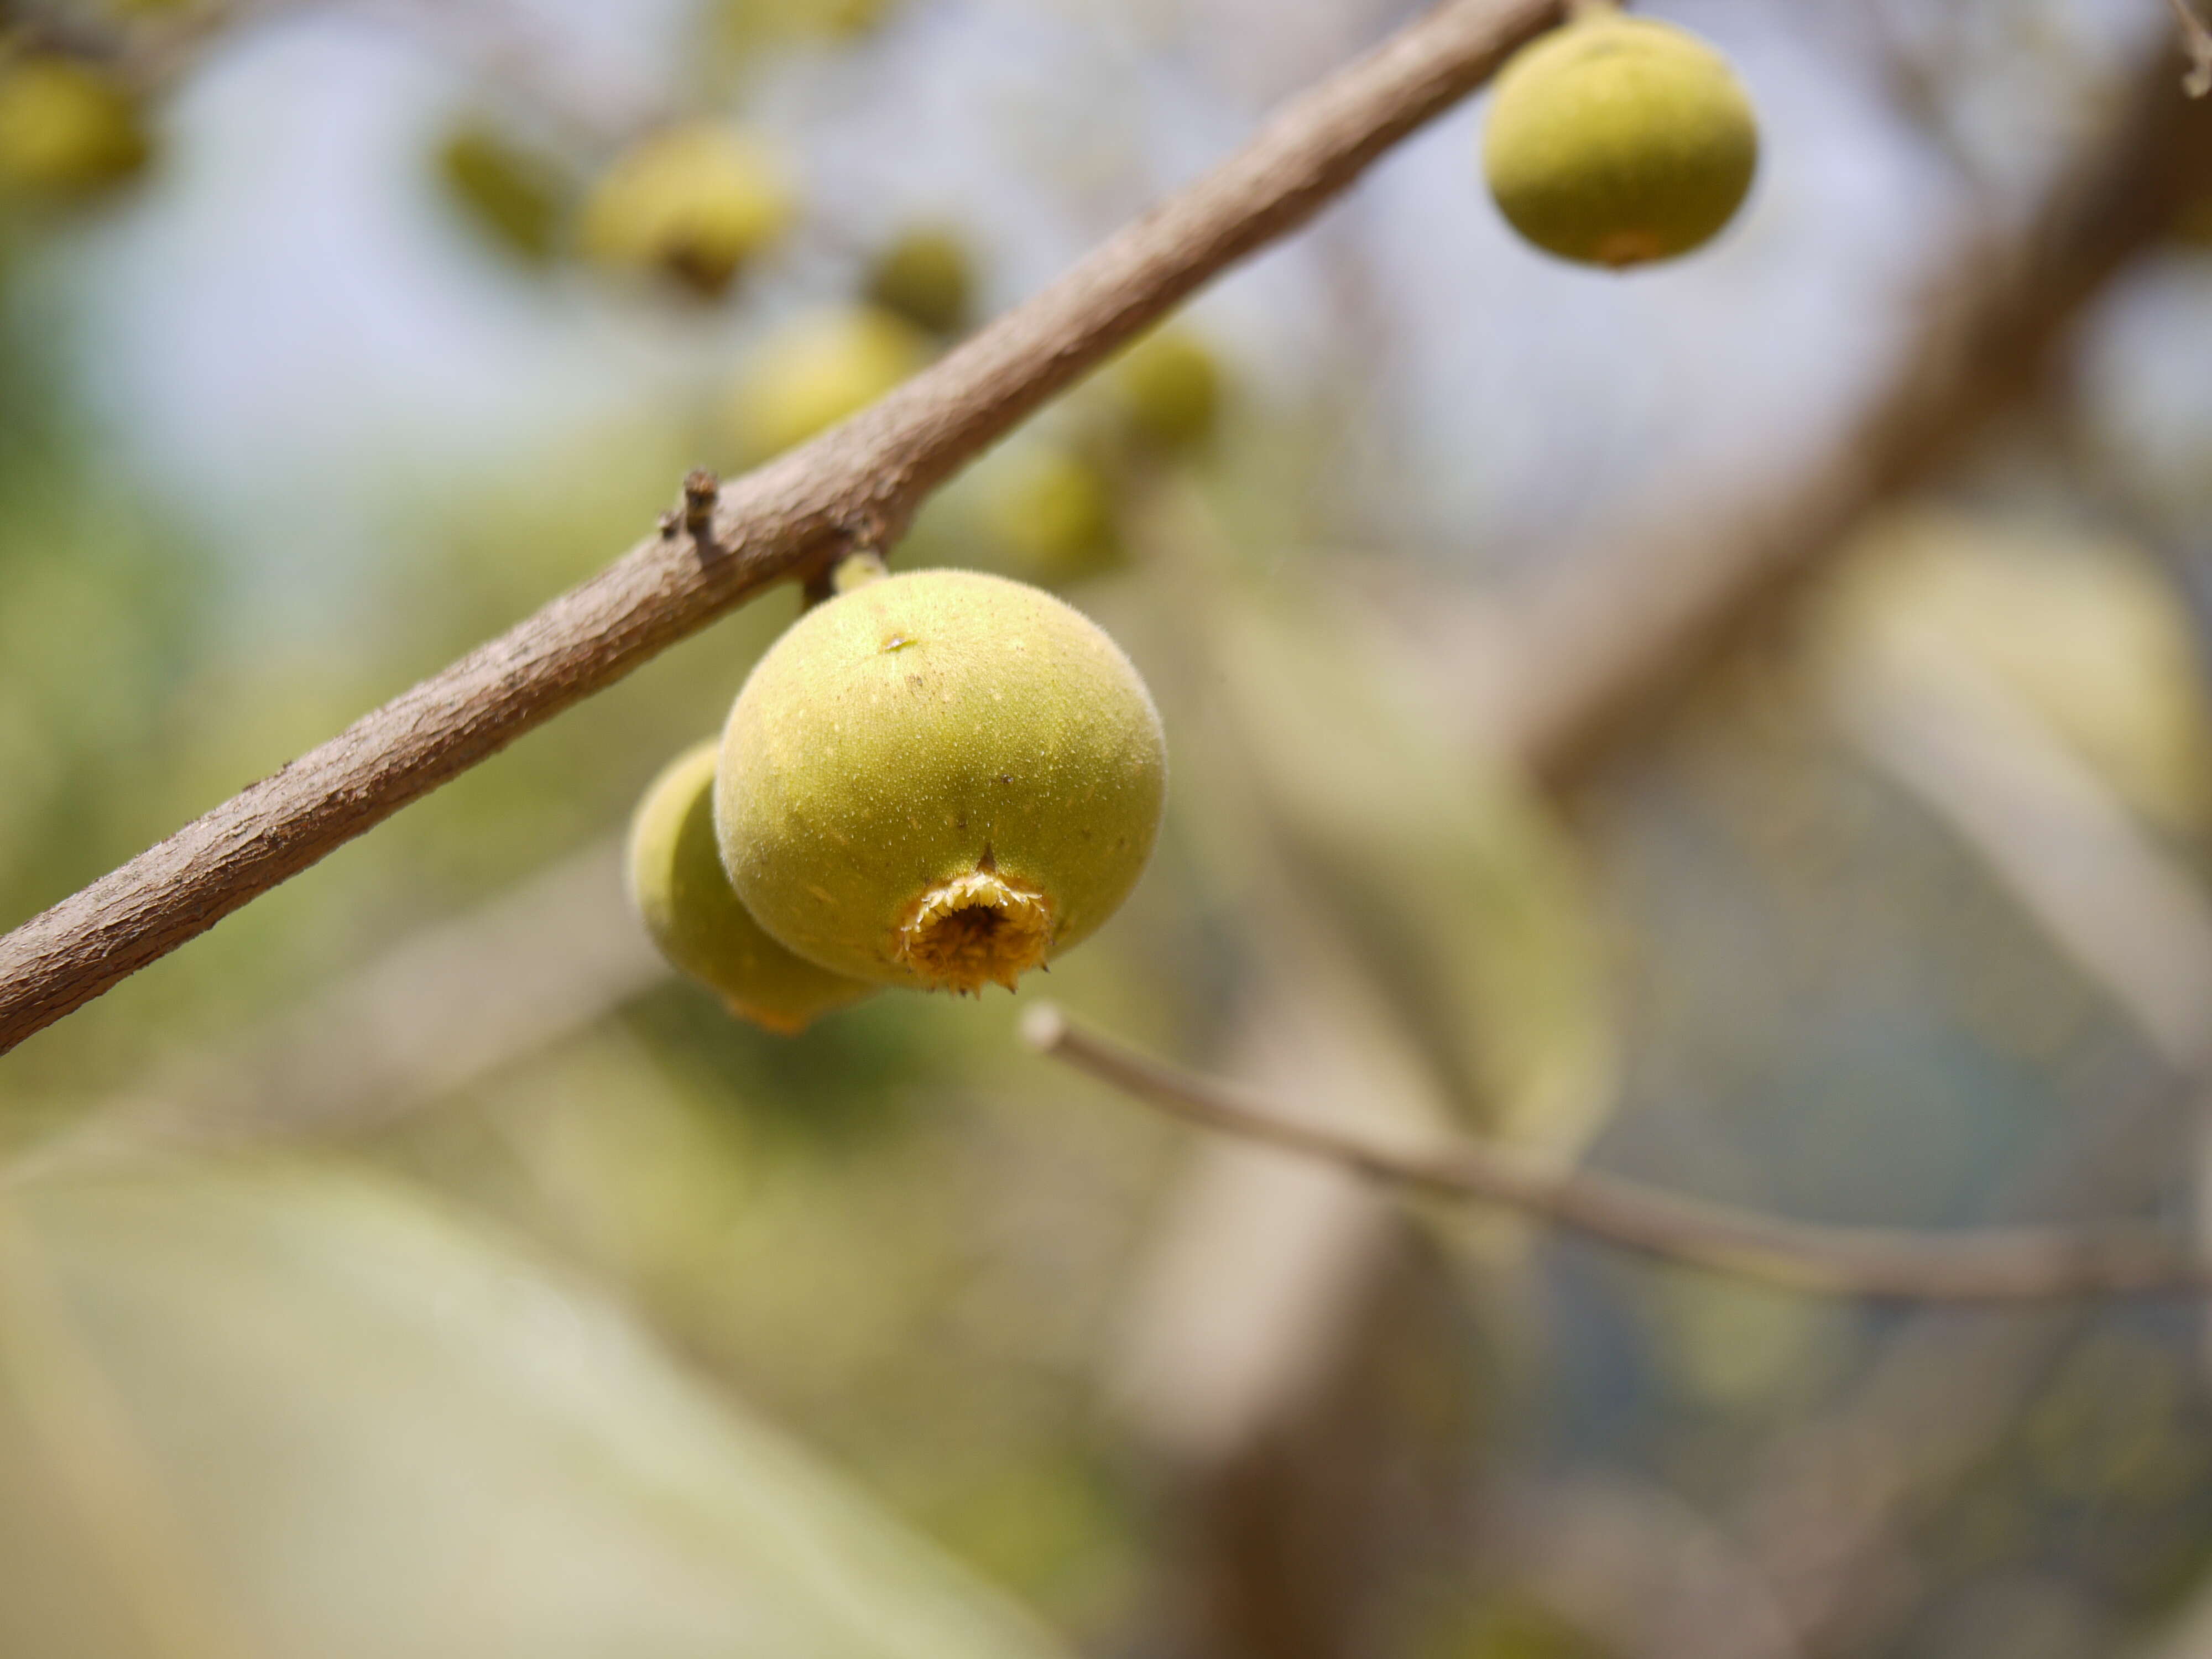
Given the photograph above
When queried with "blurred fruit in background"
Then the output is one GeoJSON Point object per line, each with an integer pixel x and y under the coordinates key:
{"type": "Point", "coordinates": [816, 369]}
{"type": "Point", "coordinates": [1049, 514]}
{"type": "Point", "coordinates": [751, 23]}
{"type": "Point", "coordinates": [1167, 390]}
{"type": "Point", "coordinates": [693, 203]}
{"type": "Point", "coordinates": [517, 199]}
{"type": "Point", "coordinates": [926, 276]}
{"type": "Point", "coordinates": [67, 129]}
{"type": "Point", "coordinates": [1617, 141]}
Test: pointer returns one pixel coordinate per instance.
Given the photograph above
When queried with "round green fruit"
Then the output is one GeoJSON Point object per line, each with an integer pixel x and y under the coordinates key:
{"type": "Point", "coordinates": [816, 370]}
{"type": "Point", "coordinates": [67, 129]}
{"type": "Point", "coordinates": [941, 779]}
{"type": "Point", "coordinates": [677, 883]}
{"type": "Point", "coordinates": [694, 202]}
{"type": "Point", "coordinates": [1616, 141]}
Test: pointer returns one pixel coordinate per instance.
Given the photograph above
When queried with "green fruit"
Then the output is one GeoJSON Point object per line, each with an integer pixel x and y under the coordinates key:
{"type": "Point", "coordinates": [66, 129]}
{"type": "Point", "coordinates": [815, 371]}
{"type": "Point", "coordinates": [1169, 387]}
{"type": "Point", "coordinates": [514, 196]}
{"type": "Point", "coordinates": [1053, 513]}
{"type": "Point", "coordinates": [1618, 140]}
{"type": "Point", "coordinates": [924, 277]}
{"type": "Point", "coordinates": [693, 202]}
{"type": "Point", "coordinates": [940, 779]}
{"type": "Point", "coordinates": [676, 881]}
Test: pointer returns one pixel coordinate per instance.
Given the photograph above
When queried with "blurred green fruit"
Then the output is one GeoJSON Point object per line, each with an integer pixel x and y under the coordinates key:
{"type": "Point", "coordinates": [1053, 513]}
{"type": "Point", "coordinates": [693, 202]}
{"type": "Point", "coordinates": [1618, 140]}
{"type": "Point", "coordinates": [676, 881]}
{"type": "Point", "coordinates": [67, 129]}
{"type": "Point", "coordinates": [939, 779]}
{"type": "Point", "coordinates": [754, 22]}
{"type": "Point", "coordinates": [816, 370]}
{"type": "Point", "coordinates": [926, 276]}
{"type": "Point", "coordinates": [1169, 387]}
{"type": "Point", "coordinates": [516, 196]}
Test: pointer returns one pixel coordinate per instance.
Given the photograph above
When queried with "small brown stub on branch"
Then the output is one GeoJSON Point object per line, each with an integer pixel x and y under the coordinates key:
{"type": "Point", "coordinates": [701, 490]}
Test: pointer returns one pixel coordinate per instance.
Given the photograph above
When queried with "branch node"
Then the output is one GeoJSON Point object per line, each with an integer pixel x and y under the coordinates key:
{"type": "Point", "coordinates": [701, 490]}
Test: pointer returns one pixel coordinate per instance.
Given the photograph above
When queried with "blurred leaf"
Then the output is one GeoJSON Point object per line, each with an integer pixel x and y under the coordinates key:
{"type": "Point", "coordinates": [516, 198]}
{"type": "Point", "coordinates": [2086, 633]}
{"type": "Point", "coordinates": [1452, 878]}
{"type": "Point", "coordinates": [370, 1430]}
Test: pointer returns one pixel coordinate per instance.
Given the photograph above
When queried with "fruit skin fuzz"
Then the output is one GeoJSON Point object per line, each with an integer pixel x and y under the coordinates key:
{"type": "Point", "coordinates": [681, 893]}
{"type": "Point", "coordinates": [1618, 141]}
{"type": "Point", "coordinates": [939, 779]}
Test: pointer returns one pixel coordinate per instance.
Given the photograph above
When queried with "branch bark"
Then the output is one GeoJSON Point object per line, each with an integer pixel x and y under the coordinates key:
{"type": "Point", "coordinates": [1994, 1266]}
{"type": "Point", "coordinates": [856, 486]}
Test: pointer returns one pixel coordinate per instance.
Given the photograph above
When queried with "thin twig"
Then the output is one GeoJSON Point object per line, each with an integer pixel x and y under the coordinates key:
{"type": "Point", "coordinates": [1998, 1265]}
{"type": "Point", "coordinates": [2196, 42]}
{"type": "Point", "coordinates": [857, 485]}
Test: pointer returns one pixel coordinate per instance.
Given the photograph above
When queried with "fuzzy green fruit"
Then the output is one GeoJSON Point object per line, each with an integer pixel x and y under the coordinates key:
{"type": "Point", "coordinates": [1618, 140]}
{"type": "Point", "coordinates": [677, 883]}
{"type": "Point", "coordinates": [940, 780]}
{"type": "Point", "coordinates": [694, 202]}
{"type": "Point", "coordinates": [816, 370]}
{"type": "Point", "coordinates": [66, 129]}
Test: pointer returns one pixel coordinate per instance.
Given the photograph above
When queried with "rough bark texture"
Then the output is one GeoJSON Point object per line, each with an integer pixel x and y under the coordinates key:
{"type": "Point", "coordinates": [857, 485]}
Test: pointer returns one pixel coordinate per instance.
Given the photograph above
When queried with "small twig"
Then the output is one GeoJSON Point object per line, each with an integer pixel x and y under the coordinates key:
{"type": "Point", "coordinates": [2197, 42]}
{"type": "Point", "coordinates": [2007, 1265]}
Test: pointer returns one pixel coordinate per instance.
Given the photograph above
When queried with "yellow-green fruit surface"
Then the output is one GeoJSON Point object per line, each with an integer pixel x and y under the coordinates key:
{"type": "Point", "coordinates": [1617, 140]}
{"type": "Point", "coordinates": [816, 370]}
{"type": "Point", "coordinates": [66, 129]}
{"type": "Point", "coordinates": [940, 779]}
{"type": "Point", "coordinates": [695, 201]}
{"type": "Point", "coordinates": [677, 883]}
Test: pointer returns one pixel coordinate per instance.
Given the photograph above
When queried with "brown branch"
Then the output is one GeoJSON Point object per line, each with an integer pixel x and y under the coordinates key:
{"type": "Point", "coordinates": [858, 485]}
{"type": "Point", "coordinates": [1995, 1266]}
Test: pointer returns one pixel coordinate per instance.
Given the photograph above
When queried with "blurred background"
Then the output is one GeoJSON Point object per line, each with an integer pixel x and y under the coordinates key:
{"type": "Point", "coordinates": [1740, 724]}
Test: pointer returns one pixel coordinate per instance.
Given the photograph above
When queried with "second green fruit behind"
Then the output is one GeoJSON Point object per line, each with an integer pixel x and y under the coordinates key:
{"type": "Point", "coordinates": [939, 778]}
